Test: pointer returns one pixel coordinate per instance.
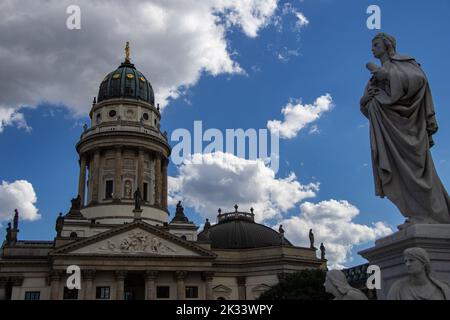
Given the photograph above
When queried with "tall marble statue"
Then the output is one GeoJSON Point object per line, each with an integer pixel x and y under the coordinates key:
{"type": "Point", "coordinates": [419, 284]}
{"type": "Point", "coordinates": [398, 103]}
{"type": "Point", "coordinates": [336, 284]}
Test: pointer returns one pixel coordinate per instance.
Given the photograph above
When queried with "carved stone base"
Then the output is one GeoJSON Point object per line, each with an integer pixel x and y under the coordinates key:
{"type": "Point", "coordinates": [388, 252]}
{"type": "Point", "coordinates": [137, 214]}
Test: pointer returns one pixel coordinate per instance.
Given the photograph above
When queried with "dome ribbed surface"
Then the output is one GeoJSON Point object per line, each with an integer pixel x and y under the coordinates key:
{"type": "Point", "coordinates": [241, 234]}
{"type": "Point", "coordinates": [126, 82]}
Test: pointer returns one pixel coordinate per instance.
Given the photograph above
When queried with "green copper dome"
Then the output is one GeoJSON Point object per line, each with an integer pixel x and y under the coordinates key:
{"type": "Point", "coordinates": [126, 82]}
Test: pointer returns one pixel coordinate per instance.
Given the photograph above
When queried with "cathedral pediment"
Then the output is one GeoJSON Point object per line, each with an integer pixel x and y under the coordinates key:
{"type": "Point", "coordinates": [137, 238]}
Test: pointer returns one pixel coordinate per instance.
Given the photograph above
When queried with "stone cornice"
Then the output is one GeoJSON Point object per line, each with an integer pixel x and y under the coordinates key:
{"type": "Point", "coordinates": [125, 102]}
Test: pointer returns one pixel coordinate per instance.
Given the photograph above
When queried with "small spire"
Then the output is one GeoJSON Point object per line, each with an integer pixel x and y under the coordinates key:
{"type": "Point", "coordinates": [251, 210]}
{"type": "Point", "coordinates": [219, 211]}
{"type": "Point", "coordinates": [236, 207]}
{"type": "Point", "coordinates": [94, 101]}
{"type": "Point", "coordinates": [127, 52]}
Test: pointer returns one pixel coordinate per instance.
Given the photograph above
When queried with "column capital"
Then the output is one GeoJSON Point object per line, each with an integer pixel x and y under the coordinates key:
{"type": "Point", "coordinates": [120, 274]}
{"type": "Point", "coordinates": [17, 280]}
{"type": "Point", "coordinates": [55, 275]}
{"type": "Point", "coordinates": [151, 274]}
{"type": "Point", "coordinates": [207, 275]}
{"type": "Point", "coordinates": [180, 275]}
{"type": "Point", "coordinates": [88, 274]}
{"type": "Point", "coordinates": [141, 150]}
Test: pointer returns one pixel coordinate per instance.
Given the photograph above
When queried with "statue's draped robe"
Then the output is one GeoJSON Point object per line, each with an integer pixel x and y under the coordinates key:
{"type": "Point", "coordinates": [402, 122]}
{"type": "Point", "coordinates": [402, 290]}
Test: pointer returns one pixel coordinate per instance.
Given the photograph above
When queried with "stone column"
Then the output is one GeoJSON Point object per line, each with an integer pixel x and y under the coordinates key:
{"type": "Point", "coordinates": [180, 276]}
{"type": "Point", "coordinates": [3, 283]}
{"type": "Point", "coordinates": [55, 285]}
{"type": "Point", "coordinates": [120, 284]}
{"type": "Point", "coordinates": [150, 284]}
{"type": "Point", "coordinates": [95, 177]}
{"type": "Point", "coordinates": [88, 285]}
{"type": "Point", "coordinates": [241, 281]}
{"type": "Point", "coordinates": [165, 162]}
{"type": "Point", "coordinates": [82, 179]}
{"type": "Point", "coordinates": [118, 174]}
{"type": "Point", "coordinates": [17, 288]}
{"type": "Point", "coordinates": [140, 178]}
{"type": "Point", "coordinates": [207, 277]}
{"type": "Point", "coordinates": [90, 164]}
{"type": "Point", "coordinates": [158, 180]}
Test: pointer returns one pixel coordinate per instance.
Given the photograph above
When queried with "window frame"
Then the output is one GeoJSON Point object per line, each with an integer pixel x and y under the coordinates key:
{"type": "Point", "coordinates": [161, 287]}
{"type": "Point", "coordinates": [98, 293]}
{"type": "Point", "coordinates": [31, 295]}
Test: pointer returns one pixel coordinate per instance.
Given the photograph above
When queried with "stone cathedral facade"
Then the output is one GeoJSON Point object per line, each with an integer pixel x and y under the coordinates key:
{"type": "Point", "coordinates": [119, 231]}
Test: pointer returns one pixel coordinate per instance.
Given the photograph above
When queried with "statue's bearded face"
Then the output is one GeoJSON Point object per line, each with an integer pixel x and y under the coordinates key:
{"type": "Point", "coordinates": [378, 47]}
{"type": "Point", "coordinates": [413, 265]}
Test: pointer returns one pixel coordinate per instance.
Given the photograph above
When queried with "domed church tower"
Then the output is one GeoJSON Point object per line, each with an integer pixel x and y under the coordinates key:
{"type": "Point", "coordinates": [124, 151]}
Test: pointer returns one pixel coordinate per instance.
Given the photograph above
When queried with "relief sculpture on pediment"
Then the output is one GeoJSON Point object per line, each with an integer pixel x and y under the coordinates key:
{"type": "Point", "coordinates": [136, 242]}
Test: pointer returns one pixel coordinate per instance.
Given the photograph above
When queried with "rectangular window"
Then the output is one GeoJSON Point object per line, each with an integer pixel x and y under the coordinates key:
{"type": "Point", "coordinates": [70, 294]}
{"type": "Point", "coordinates": [109, 189]}
{"type": "Point", "coordinates": [145, 191]}
{"type": "Point", "coordinates": [163, 292]}
{"type": "Point", "coordinates": [102, 293]}
{"type": "Point", "coordinates": [191, 292]}
{"type": "Point", "coordinates": [128, 295]}
{"type": "Point", "coordinates": [32, 295]}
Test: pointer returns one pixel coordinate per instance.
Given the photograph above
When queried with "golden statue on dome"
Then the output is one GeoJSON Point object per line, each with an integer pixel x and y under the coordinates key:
{"type": "Point", "coordinates": [127, 52]}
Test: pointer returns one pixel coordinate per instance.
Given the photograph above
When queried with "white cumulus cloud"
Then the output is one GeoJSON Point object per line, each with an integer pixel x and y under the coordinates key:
{"type": "Point", "coordinates": [298, 116]}
{"type": "Point", "coordinates": [11, 117]}
{"type": "Point", "coordinates": [18, 195]}
{"type": "Point", "coordinates": [332, 223]}
{"type": "Point", "coordinates": [209, 181]}
{"type": "Point", "coordinates": [172, 42]}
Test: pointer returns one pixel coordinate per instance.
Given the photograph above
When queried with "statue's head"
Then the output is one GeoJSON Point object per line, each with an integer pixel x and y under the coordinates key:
{"type": "Point", "coordinates": [383, 43]}
{"type": "Point", "coordinates": [336, 283]}
{"type": "Point", "coordinates": [417, 261]}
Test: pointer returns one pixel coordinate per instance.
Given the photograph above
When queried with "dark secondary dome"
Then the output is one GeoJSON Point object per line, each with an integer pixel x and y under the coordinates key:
{"type": "Point", "coordinates": [238, 230]}
{"type": "Point", "coordinates": [126, 82]}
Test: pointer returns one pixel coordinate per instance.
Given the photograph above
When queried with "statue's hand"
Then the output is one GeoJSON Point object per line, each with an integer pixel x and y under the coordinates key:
{"type": "Point", "coordinates": [380, 74]}
{"type": "Point", "coordinates": [372, 92]}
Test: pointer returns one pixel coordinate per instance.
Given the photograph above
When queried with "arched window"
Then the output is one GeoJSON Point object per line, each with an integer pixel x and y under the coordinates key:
{"type": "Point", "coordinates": [183, 237]}
{"type": "Point", "coordinates": [73, 234]}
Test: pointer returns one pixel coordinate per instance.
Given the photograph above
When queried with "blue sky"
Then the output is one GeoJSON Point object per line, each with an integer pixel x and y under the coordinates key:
{"type": "Point", "coordinates": [329, 55]}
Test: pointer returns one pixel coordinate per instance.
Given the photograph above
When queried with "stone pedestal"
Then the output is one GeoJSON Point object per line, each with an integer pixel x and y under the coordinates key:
{"type": "Point", "coordinates": [388, 252]}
